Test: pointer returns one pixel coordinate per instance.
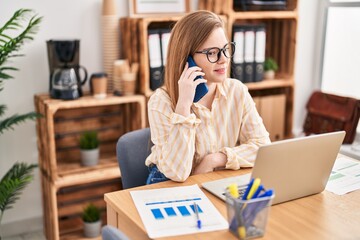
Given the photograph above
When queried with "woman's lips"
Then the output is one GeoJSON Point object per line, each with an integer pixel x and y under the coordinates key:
{"type": "Point", "coordinates": [220, 70]}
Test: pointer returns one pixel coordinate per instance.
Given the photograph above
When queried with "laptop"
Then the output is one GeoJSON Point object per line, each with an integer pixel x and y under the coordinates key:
{"type": "Point", "coordinates": [293, 168]}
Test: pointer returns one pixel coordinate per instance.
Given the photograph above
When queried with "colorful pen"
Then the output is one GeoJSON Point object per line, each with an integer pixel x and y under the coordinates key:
{"type": "Point", "coordinates": [253, 189]}
{"type": "Point", "coordinates": [244, 197]}
{"type": "Point", "coordinates": [233, 190]}
{"type": "Point", "coordinates": [198, 221]}
{"type": "Point", "coordinates": [267, 193]}
{"type": "Point", "coordinates": [256, 194]}
{"type": "Point", "coordinates": [241, 230]}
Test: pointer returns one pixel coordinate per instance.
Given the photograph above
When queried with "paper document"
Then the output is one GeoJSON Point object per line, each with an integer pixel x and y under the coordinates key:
{"type": "Point", "coordinates": [344, 177]}
{"type": "Point", "coordinates": [171, 211]}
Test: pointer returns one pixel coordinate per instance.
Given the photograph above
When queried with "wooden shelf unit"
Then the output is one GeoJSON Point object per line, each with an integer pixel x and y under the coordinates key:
{"type": "Point", "coordinates": [67, 185]}
{"type": "Point", "coordinates": [281, 29]}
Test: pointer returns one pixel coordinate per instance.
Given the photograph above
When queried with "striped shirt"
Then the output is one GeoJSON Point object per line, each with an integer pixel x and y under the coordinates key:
{"type": "Point", "coordinates": [232, 126]}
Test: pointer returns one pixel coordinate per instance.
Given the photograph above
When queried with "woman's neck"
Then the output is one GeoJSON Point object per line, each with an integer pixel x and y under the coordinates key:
{"type": "Point", "coordinates": [208, 99]}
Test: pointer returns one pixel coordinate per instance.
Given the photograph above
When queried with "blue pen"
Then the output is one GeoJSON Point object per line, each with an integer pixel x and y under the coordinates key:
{"type": "Point", "coordinates": [256, 194]}
{"type": "Point", "coordinates": [198, 221]}
{"type": "Point", "coordinates": [268, 193]}
{"type": "Point", "coordinates": [248, 189]}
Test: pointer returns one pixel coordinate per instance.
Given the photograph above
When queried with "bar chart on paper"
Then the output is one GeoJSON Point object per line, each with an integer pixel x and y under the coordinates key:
{"type": "Point", "coordinates": [172, 211]}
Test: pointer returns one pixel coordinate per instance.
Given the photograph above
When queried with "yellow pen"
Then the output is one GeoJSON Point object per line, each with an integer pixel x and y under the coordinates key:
{"type": "Point", "coordinates": [253, 189]}
{"type": "Point", "coordinates": [234, 192]}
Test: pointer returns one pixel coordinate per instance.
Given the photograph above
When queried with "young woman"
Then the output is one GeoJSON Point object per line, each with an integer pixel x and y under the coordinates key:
{"type": "Point", "coordinates": [223, 129]}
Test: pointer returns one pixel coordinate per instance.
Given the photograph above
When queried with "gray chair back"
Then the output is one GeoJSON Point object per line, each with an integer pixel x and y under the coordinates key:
{"type": "Point", "coordinates": [109, 232]}
{"type": "Point", "coordinates": [131, 150]}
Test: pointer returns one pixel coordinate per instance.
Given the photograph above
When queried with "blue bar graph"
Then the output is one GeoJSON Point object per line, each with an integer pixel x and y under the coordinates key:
{"type": "Point", "coordinates": [183, 210]}
{"type": "Point", "coordinates": [157, 213]}
{"type": "Point", "coordinates": [170, 211]}
{"type": "Point", "coordinates": [193, 208]}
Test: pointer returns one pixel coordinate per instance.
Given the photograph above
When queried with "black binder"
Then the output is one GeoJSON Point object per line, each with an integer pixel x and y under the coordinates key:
{"type": "Point", "coordinates": [249, 54]}
{"type": "Point", "coordinates": [155, 61]}
{"type": "Point", "coordinates": [260, 44]}
{"type": "Point", "coordinates": [259, 5]}
{"type": "Point", "coordinates": [237, 64]}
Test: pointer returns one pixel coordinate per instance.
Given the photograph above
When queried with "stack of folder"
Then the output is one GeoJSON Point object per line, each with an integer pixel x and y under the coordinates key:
{"type": "Point", "coordinates": [158, 40]}
{"type": "Point", "coordinates": [249, 56]}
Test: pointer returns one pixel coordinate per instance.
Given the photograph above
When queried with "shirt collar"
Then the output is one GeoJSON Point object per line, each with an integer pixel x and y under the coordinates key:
{"type": "Point", "coordinates": [221, 90]}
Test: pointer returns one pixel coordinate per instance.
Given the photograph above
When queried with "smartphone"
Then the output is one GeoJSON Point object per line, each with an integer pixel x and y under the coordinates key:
{"type": "Point", "coordinates": [202, 88]}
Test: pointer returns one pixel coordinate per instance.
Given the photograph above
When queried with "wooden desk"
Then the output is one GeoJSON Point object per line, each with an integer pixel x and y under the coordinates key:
{"type": "Point", "coordinates": [321, 216]}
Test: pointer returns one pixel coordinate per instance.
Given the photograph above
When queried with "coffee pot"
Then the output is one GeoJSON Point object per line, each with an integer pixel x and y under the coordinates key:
{"type": "Point", "coordinates": [65, 80]}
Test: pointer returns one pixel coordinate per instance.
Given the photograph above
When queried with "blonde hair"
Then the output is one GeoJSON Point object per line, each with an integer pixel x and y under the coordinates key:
{"type": "Point", "coordinates": [188, 34]}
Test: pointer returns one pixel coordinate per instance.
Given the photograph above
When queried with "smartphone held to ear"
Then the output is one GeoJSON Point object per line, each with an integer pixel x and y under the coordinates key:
{"type": "Point", "coordinates": [202, 88]}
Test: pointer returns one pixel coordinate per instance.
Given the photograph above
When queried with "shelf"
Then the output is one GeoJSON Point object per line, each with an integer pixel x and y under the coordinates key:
{"type": "Point", "coordinates": [67, 185]}
{"type": "Point", "coordinates": [73, 173]}
{"type": "Point", "coordinates": [270, 84]}
{"type": "Point", "coordinates": [89, 101]}
{"type": "Point", "coordinates": [265, 15]}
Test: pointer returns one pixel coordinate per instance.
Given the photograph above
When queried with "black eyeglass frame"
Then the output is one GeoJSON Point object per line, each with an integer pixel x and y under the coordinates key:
{"type": "Point", "coordinates": [221, 50]}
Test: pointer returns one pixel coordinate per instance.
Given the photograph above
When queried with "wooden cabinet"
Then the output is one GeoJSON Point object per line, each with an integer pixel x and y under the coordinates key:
{"type": "Point", "coordinates": [272, 110]}
{"type": "Point", "coordinates": [68, 186]}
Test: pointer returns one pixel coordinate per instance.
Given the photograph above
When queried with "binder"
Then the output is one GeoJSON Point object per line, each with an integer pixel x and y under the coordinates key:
{"type": "Point", "coordinates": [237, 68]}
{"type": "Point", "coordinates": [155, 61]}
{"type": "Point", "coordinates": [165, 37]}
{"type": "Point", "coordinates": [249, 54]}
{"type": "Point", "coordinates": [260, 43]}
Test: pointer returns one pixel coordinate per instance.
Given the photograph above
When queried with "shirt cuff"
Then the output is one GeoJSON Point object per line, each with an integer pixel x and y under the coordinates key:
{"type": "Point", "coordinates": [180, 119]}
{"type": "Point", "coordinates": [233, 161]}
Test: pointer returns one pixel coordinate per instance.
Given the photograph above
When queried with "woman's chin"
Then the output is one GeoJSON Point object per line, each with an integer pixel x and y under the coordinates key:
{"type": "Point", "coordinates": [218, 79]}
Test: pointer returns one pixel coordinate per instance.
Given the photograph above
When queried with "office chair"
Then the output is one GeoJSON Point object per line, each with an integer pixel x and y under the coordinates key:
{"type": "Point", "coordinates": [131, 150]}
{"type": "Point", "coordinates": [109, 232]}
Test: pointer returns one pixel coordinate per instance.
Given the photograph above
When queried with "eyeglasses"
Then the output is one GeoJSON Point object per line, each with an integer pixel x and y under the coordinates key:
{"type": "Point", "coordinates": [213, 54]}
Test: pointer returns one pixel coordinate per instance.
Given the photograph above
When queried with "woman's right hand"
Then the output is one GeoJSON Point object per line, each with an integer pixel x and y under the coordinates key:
{"type": "Point", "coordinates": [187, 87]}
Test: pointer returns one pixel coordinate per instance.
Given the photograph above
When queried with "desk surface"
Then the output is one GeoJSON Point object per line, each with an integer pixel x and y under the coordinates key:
{"type": "Point", "coordinates": [321, 216]}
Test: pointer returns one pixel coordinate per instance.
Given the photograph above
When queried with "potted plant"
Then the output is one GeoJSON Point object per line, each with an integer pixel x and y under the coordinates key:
{"type": "Point", "coordinates": [89, 148]}
{"type": "Point", "coordinates": [91, 218]}
{"type": "Point", "coordinates": [270, 67]}
{"type": "Point", "coordinates": [21, 27]}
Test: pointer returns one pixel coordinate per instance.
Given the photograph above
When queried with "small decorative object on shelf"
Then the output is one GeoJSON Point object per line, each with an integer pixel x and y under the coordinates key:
{"type": "Point", "coordinates": [89, 146]}
{"type": "Point", "coordinates": [98, 85]}
{"type": "Point", "coordinates": [270, 67]}
{"type": "Point", "coordinates": [92, 222]}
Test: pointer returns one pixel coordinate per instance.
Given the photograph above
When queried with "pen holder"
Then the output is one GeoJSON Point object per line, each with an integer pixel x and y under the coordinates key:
{"type": "Point", "coordinates": [248, 218]}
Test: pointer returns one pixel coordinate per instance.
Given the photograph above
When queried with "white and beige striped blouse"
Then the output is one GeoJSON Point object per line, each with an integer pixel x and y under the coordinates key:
{"type": "Point", "coordinates": [232, 126]}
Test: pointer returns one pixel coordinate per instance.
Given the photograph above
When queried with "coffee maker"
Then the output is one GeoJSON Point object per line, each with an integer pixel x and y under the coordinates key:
{"type": "Point", "coordinates": [65, 81]}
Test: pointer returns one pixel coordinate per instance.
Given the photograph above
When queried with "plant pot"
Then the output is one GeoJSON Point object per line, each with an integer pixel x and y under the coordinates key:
{"type": "Point", "coordinates": [270, 74]}
{"type": "Point", "coordinates": [89, 157]}
{"type": "Point", "coordinates": [92, 229]}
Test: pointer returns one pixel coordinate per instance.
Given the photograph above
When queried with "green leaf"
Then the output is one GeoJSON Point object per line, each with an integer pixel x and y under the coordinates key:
{"type": "Point", "coordinates": [16, 119]}
{"type": "Point", "coordinates": [5, 76]}
{"type": "Point", "coordinates": [91, 213]}
{"type": "Point", "coordinates": [2, 109]}
{"type": "Point", "coordinates": [14, 181]}
{"type": "Point", "coordinates": [10, 45]}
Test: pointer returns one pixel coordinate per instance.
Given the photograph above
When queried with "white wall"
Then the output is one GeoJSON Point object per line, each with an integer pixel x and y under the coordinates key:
{"type": "Point", "coordinates": [81, 19]}
{"type": "Point", "coordinates": [307, 53]}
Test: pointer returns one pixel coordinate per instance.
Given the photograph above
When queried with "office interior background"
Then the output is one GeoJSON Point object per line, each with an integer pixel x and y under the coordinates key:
{"type": "Point", "coordinates": [332, 66]}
